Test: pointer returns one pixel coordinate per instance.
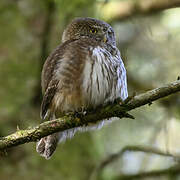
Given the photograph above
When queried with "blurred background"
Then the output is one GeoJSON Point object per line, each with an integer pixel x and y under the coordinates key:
{"type": "Point", "coordinates": [150, 48]}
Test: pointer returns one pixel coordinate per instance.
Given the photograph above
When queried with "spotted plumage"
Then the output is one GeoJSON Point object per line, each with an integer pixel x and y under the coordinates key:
{"type": "Point", "coordinates": [85, 71]}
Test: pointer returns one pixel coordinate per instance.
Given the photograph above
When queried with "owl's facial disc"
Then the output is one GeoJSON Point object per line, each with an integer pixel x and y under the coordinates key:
{"type": "Point", "coordinates": [91, 28]}
{"type": "Point", "coordinates": [97, 32]}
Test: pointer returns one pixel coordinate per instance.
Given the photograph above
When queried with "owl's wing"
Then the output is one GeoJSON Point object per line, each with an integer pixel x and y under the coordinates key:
{"type": "Point", "coordinates": [47, 98]}
{"type": "Point", "coordinates": [48, 68]}
{"type": "Point", "coordinates": [48, 81]}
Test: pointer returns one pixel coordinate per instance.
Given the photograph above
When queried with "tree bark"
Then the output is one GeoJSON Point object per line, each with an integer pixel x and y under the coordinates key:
{"type": "Point", "coordinates": [71, 121]}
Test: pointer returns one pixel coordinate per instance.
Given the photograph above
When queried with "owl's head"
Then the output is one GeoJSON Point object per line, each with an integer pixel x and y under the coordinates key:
{"type": "Point", "coordinates": [90, 28]}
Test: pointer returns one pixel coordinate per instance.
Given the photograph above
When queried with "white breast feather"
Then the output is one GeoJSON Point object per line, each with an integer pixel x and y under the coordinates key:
{"type": "Point", "coordinates": [102, 59]}
{"type": "Point", "coordinates": [94, 95]}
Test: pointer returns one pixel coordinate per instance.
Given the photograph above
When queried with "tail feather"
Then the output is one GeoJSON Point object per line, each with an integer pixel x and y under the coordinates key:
{"type": "Point", "coordinates": [47, 145]}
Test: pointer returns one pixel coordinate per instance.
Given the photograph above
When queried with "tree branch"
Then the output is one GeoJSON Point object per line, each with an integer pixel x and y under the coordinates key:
{"type": "Point", "coordinates": [155, 173]}
{"type": "Point", "coordinates": [151, 150]}
{"type": "Point", "coordinates": [122, 10]}
{"type": "Point", "coordinates": [70, 121]}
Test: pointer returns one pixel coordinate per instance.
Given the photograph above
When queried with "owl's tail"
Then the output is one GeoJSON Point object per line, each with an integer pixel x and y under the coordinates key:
{"type": "Point", "coordinates": [47, 145]}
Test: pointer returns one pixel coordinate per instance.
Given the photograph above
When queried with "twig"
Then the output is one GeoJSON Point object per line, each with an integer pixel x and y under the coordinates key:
{"type": "Point", "coordinates": [155, 173]}
{"type": "Point", "coordinates": [114, 157]}
{"type": "Point", "coordinates": [68, 122]}
{"type": "Point", "coordinates": [151, 150]}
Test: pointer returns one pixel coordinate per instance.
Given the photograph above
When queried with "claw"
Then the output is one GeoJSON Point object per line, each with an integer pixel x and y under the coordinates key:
{"type": "Point", "coordinates": [79, 114]}
{"type": "Point", "coordinates": [118, 101]}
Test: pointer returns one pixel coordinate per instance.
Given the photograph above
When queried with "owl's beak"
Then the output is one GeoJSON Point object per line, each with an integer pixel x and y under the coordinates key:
{"type": "Point", "coordinates": [105, 38]}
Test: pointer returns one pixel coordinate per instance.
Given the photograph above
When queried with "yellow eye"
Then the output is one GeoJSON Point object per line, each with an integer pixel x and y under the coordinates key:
{"type": "Point", "coordinates": [93, 31]}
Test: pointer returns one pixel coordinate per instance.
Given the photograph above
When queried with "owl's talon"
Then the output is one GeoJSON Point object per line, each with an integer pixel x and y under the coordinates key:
{"type": "Point", "coordinates": [79, 114]}
{"type": "Point", "coordinates": [118, 101]}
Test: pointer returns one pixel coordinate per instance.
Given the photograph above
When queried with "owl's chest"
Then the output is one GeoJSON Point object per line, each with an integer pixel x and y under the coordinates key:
{"type": "Point", "coordinates": [100, 78]}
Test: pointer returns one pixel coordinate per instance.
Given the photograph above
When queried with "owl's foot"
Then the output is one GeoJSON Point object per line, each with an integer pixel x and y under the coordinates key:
{"type": "Point", "coordinates": [77, 114]}
{"type": "Point", "coordinates": [118, 101]}
{"type": "Point", "coordinates": [80, 114]}
{"type": "Point", "coordinates": [124, 103]}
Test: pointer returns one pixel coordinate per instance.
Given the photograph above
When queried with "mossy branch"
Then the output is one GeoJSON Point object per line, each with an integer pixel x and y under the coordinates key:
{"type": "Point", "coordinates": [70, 121]}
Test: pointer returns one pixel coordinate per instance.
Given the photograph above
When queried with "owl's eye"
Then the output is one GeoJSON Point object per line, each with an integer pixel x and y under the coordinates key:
{"type": "Point", "coordinates": [93, 31]}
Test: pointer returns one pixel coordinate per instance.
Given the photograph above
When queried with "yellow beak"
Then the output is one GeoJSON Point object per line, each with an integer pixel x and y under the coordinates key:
{"type": "Point", "coordinates": [105, 38]}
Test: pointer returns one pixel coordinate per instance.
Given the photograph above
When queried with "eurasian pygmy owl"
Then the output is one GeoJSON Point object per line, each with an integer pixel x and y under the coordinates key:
{"type": "Point", "coordinates": [84, 71]}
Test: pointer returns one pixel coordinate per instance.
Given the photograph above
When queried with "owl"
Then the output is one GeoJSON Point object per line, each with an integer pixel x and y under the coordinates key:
{"type": "Point", "coordinates": [83, 72]}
